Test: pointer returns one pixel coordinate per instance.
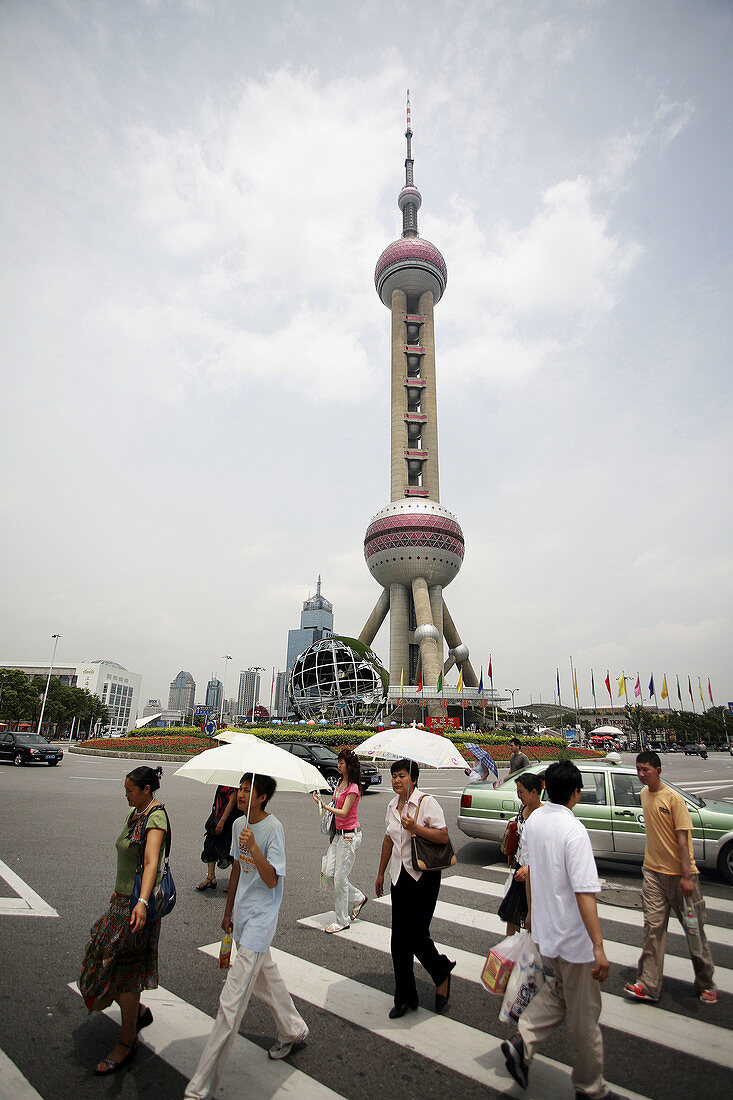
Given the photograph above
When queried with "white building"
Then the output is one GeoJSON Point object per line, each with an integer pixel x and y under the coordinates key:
{"type": "Point", "coordinates": [118, 689]}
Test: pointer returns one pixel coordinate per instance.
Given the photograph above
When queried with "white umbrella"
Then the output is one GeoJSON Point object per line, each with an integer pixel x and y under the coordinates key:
{"type": "Point", "coordinates": [227, 764]}
{"type": "Point", "coordinates": [412, 744]}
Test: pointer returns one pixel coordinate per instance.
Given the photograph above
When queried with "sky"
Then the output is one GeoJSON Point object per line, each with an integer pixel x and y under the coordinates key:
{"type": "Point", "coordinates": [195, 363]}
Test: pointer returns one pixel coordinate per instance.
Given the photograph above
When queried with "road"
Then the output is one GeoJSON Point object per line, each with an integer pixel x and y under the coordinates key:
{"type": "Point", "coordinates": [58, 827]}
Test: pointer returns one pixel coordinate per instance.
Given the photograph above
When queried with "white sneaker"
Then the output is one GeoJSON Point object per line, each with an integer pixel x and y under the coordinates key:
{"type": "Point", "coordinates": [281, 1050]}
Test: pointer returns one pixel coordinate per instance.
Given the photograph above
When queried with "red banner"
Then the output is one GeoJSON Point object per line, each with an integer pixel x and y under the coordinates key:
{"type": "Point", "coordinates": [442, 723]}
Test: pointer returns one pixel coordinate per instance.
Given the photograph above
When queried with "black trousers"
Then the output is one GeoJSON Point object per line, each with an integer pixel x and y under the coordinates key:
{"type": "Point", "coordinates": [413, 905]}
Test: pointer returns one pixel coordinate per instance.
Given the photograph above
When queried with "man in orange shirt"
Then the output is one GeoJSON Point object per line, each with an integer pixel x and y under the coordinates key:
{"type": "Point", "coordinates": [670, 878]}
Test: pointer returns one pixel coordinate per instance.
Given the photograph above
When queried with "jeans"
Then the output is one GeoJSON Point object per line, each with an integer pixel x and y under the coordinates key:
{"type": "Point", "coordinates": [341, 860]}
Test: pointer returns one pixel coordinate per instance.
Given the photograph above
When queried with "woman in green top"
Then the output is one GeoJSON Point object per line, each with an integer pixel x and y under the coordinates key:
{"type": "Point", "coordinates": [122, 955]}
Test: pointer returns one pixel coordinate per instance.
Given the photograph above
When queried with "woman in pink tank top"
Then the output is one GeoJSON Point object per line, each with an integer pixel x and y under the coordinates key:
{"type": "Point", "coordinates": [348, 901]}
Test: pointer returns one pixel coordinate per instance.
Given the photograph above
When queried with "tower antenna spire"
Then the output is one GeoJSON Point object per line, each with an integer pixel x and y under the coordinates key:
{"type": "Point", "coordinates": [409, 198]}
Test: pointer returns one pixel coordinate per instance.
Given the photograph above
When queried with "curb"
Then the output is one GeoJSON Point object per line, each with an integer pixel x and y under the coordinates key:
{"type": "Point", "coordinates": [176, 758]}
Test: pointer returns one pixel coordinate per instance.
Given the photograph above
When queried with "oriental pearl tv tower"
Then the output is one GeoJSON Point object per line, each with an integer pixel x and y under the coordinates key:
{"type": "Point", "coordinates": [414, 547]}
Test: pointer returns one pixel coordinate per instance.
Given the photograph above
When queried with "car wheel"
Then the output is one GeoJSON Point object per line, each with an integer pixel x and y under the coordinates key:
{"type": "Point", "coordinates": [18, 760]}
{"type": "Point", "coordinates": [725, 863]}
{"type": "Point", "coordinates": [333, 780]}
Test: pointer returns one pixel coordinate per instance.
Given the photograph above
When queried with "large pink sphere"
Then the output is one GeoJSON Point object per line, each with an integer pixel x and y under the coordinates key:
{"type": "Point", "coordinates": [414, 538]}
{"type": "Point", "coordinates": [413, 265]}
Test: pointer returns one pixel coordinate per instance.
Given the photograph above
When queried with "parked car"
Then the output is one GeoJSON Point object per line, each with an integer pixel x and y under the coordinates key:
{"type": "Point", "coordinates": [693, 749]}
{"type": "Point", "coordinates": [326, 761]}
{"type": "Point", "coordinates": [29, 748]}
{"type": "Point", "coordinates": [610, 809]}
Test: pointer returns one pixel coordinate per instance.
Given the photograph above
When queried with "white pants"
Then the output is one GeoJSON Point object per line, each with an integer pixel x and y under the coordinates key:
{"type": "Point", "coordinates": [340, 861]}
{"type": "Point", "coordinates": [252, 972]}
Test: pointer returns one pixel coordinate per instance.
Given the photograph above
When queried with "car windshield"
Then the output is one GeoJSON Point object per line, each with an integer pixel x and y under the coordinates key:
{"type": "Point", "coordinates": [322, 753]}
{"type": "Point", "coordinates": [31, 739]}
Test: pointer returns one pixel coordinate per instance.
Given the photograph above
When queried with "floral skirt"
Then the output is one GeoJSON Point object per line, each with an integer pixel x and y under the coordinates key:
{"type": "Point", "coordinates": [118, 960]}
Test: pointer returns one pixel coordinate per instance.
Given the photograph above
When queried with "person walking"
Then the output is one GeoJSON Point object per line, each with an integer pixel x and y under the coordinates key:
{"type": "Point", "coordinates": [252, 908]}
{"type": "Point", "coordinates": [671, 879]}
{"type": "Point", "coordinates": [513, 908]}
{"type": "Point", "coordinates": [218, 835]}
{"type": "Point", "coordinates": [121, 958]}
{"type": "Point", "coordinates": [562, 883]}
{"type": "Point", "coordinates": [348, 901]}
{"type": "Point", "coordinates": [517, 759]}
{"type": "Point", "coordinates": [414, 893]}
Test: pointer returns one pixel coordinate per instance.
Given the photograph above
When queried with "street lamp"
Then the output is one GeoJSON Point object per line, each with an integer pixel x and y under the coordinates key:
{"type": "Point", "coordinates": [226, 659]}
{"type": "Point", "coordinates": [48, 679]}
{"type": "Point", "coordinates": [513, 692]}
{"type": "Point", "coordinates": [255, 669]}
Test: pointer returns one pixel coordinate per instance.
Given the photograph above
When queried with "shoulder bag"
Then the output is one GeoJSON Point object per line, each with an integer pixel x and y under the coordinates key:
{"type": "Point", "coordinates": [163, 896]}
{"type": "Point", "coordinates": [429, 856]}
{"type": "Point", "coordinates": [510, 840]}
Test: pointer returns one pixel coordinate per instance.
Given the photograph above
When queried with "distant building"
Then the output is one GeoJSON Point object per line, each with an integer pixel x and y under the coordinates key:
{"type": "Point", "coordinates": [65, 674]}
{"type": "Point", "coordinates": [316, 622]}
{"type": "Point", "coordinates": [153, 706]}
{"type": "Point", "coordinates": [214, 693]}
{"type": "Point", "coordinates": [182, 693]}
{"type": "Point", "coordinates": [249, 692]}
{"type": "Point", "coordinates": [280, 704]}
{"type": "Point", "coordinates": [118, 689]}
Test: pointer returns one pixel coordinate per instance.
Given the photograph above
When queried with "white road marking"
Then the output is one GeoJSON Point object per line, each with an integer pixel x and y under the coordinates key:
{"type": "Point", "coordinates": [667, 1029]}
{"type": "Point", "coordinates": [178, 1033]}
{"type": "Point", "coordinates": [675, 966]}
{"type": "Point", "coordinates": [458, 1047]}
{"type": "Point", "coordinates": [96, 778]}
{"type": "Point", "coordinates": [633, 917]}
{"type": "Point", "coordinates": [13, 1085]}
{"type": "Point", "coordinates": [28, 904]}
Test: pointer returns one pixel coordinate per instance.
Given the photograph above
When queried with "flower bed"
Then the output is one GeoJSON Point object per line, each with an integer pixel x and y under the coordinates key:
{"type": "Point", "coordinates": [148, 746]}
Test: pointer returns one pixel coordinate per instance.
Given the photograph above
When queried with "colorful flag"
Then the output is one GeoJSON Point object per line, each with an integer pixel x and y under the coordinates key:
{"type": "Point", "coordinates": [491, 674]}
{"type": "Point", "coordinates": [665, 693]}
{"type": "Point", "coordinates": [637, 687]}
{"type": "Point", "coordinates": [608, 685]}
{"type": "Point", "coordinates": [481, 682]}
{"type": "Point", "coordinates": [699, 684]}
{"type": "Point", "coordinates": [459, 685]}
{"type": "Point", "coordinates": [575, 684]}
{"type": "Point", "coordinates": [651, 686]}
{"type": "Point", "coordinates": [557, 673]}
{"type": "Point", "coordinates": [622, 686]}
{"type": "Point", "coordinates": [593, 687]}
{"type": "Point", "coordinates": [402, 680]}
{"type": "Point", "coordinates": [710, 693]}
{"type": "Point", "coordinates": [679, 693]}
{"type": "Point", "coordinates": [689, 688]}
{"type": "Point", "coordinates": [440, 681]}
{"type": "Point", "coordinates": [419, 682]}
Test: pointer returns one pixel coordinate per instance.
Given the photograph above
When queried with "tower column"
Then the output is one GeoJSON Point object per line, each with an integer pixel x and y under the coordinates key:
{"type": "Point", "coordinates": [436, 606]}
{"type": "Point", "coordinates": [398, 397]}
{"type": "Point", "coordinates": [399, 632]}
{"type": "Point", "coordinates": [429, 405]}
{"type": "Point", "coordinates": [375, 620]}
{"type": "Point", "coordinates": [426, 634]}
{"type": "Point", "coordinates": [453, 639]}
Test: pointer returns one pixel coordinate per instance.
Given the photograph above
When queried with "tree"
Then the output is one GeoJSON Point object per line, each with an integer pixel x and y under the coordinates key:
{"type": "Point", "coordinates": [20, 700]}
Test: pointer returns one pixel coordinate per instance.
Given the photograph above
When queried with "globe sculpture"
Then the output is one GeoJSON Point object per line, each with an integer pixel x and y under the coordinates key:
{"type": "Point", "coordinates": [338, 679]}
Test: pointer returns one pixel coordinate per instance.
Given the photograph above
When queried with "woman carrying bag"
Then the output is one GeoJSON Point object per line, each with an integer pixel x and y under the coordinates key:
{"type": "Point", "coordinates": [513, 908]}
{"type": "Point", "coordinates": [218, 838]}
{"type": "Point", "coordinates": [348, 901]}
{"type": "Point", "coordinates": [121, 958]}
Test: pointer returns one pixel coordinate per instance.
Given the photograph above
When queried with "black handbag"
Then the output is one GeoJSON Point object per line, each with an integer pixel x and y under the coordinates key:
{"type": "Point", "coordinates": [514, 908]}
{"type": "Point", "coordinates": [429, 856]}
{"type": "Point", "coordinates": [163, 896]}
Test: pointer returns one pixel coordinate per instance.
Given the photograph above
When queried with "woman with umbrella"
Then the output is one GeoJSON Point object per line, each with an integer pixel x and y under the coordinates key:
{"type": "Point", "coordinates": [414, 893]}
{"type": "Point", "coordinates": [348, 901]}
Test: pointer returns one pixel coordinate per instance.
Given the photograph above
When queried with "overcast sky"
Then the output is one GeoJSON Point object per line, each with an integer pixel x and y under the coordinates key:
{"type": "Point", "coordinates": [196, 363]}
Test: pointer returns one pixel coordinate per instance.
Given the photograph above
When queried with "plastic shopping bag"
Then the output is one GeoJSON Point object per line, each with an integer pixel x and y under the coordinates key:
{"type": "Point", "coordinates": [328, 867]}
{"type": "Point", "coordinates": [524, 981]}
{"type": "Point", "coordinates": [499, 963]}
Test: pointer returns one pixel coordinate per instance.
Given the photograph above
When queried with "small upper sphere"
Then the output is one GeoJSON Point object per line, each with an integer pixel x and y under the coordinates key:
{"type": "Point", "coordinates": [415, 537]}
{"type": "Point", "coordinates": [409, 194]}
{"type": "Point", "coordinates": [411, 264]}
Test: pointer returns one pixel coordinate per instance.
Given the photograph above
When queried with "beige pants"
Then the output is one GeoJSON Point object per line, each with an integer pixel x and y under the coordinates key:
{"type": "Point", "coordinates": [660, 895]}
{"type": "Point", "coordinates": [252, 973]}
{"type": "Point", "coordinates": [574, 997]}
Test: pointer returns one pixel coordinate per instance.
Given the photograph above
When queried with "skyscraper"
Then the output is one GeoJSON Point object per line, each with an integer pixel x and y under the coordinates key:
{"type": "Point", "coordinates": [316, 622]}
{"type": "Point", "coordinates": [182, 692]}
{"type": "Point", "coordinates": [214, 690]}
{"type": "Point", "coordinates": [414, 547]}
{"type": "Point", "coordinates": [249, 692]}
{"type": "Point", "coordinates": [280, 705]}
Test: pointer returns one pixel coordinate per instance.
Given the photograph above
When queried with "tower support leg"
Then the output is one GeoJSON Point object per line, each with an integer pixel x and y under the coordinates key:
{"type": "Point", "coordinates": [399, 632]}
{"type": "Point", "coordinates": [453, 639]}
{"type": "Point", "coordinates": [375, 620]}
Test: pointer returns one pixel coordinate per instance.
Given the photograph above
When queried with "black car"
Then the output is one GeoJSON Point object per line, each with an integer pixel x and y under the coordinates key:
{"type": "Point", "coordinates": [326, 761]}
{"type": "Point", "coordinates": [29, 748]}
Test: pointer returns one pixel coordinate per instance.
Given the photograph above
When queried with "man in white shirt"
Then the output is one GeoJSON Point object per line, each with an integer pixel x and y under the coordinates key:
{"type": "Point", "coordinates": [563, 916]}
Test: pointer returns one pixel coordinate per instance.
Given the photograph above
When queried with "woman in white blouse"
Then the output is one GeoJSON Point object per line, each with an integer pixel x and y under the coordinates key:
{"type": "Point", "coordinates": [414, 893]}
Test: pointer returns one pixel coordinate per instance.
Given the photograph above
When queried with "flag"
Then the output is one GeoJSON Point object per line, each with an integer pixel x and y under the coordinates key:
{"type": "Point", "coordinates": [459, 685]}
{"type": "Point", "coordinates": [699, 684]}
{"type": "Point", "coordinates": [608, 685]}
{"type": "Point", "coordinates": [440, 681]}
{"type": "Point", "coordinates": [665, 693]}
{"type": "Point", "coordinates": [402, 680]}
{"type": "Point", "coordinates": [689, 688]}
{"type": "Point", "coordinates": [481, 682]}
{"type": "Point", "coordinates": [575, 684]}
{"type": "Point", "coordinates": [637, 687]}
{"type": "Point", "coordinates": [622, 686]}
{"type": "Point", "coordinates": [593, 687]}
{"type": "Point", "coordinates": [651, 686]}
{"type": "Point", "coordinates": [419, 682]}
{"type": "Point", "coordinates": [491, 674]}
{"type": "Point", "coordinates": [557, 674]}
{"type": "Point", "coordinates": [710, 693]}
{"type": "Point", "coordinates": [679, 693]}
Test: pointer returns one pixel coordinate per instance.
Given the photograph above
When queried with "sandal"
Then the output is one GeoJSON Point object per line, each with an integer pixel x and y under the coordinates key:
{"type": "Point", "coordinates": [358, 908]}
{"type": "Point", "coordinates": [207, 884]}
{"type": "Point", "coordinates": [110, 1066]}
{"type": "Point", "coordinates": [709, 996]}
{"type": "Point", "coordinates": [337, 927]}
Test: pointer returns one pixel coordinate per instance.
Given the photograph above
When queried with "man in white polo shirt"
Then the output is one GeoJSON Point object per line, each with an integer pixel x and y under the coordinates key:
{"type": "Point", "coordinates": [563, 916]}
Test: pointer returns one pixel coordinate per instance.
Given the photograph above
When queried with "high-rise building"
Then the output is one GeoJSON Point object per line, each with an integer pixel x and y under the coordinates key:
{"type": "Point", "coordinates": [118, 689]}
{"type": "Point", "coordinates": [214, 692]}
{"type": "Point", "coordinates": [249, 691]}
{"type": "Point", "coordinates": [182, 693]}
{"type": "Point", "coordinates": [414, 547]}
{"type": "Point", "coordinates": [280, 704]}
{"type": "Point", "coordinates": [316, 622]}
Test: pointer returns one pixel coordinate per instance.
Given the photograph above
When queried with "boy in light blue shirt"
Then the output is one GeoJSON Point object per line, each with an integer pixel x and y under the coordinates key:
{"type": "Point", "coordinates": [253, 903]}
